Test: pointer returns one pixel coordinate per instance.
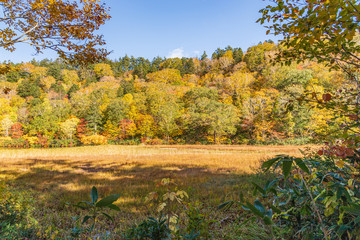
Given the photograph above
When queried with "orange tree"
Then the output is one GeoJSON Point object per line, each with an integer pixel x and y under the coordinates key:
{"type": "Point", "coordinates": [65, 26]}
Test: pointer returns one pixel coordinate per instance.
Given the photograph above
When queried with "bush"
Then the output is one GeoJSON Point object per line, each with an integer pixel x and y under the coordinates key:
{"type": "Point", "coordinates": [16, 143]}
{"type": "Point", "coordinates": [4, 141]}
{"type": "Point", "coordinates": [94, 140]}
{"type": "Point", "coordinates": [315, 197]}
{"type": "Point", "coordinates": [154, 141]}
{"type": "Point", "coordinates": [16, 221]}
{"type": "Point", "coordinates": [198, 222]}
{"type": "Point", "coordinates": [64, 143]}
{"type": "Point", "coordinates": [150, 229]}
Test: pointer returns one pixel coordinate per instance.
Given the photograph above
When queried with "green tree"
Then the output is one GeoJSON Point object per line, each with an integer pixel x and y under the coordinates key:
{"type": "Point", "coordinates": [28, 88]}
{"type": "Point", "coordinates": [94, 118]}
{"type": "Point", "coordinates": [257, 57]}
{"type": "Point", "coordinates": [203, 56]}
{"type": "Point", "coordinates": [116, 111]}
{"type": "Point", "coordinates": [216, 118]}
{"type": "Point", "coordinates": [199, 92]}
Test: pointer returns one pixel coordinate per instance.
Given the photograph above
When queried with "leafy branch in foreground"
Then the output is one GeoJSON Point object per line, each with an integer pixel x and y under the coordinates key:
{"type": "Point", "coordinates": [95, 208]}
{"type": "Point", "coordinates": [316, 197]}
{"type": "Point", "coordinates": [66, 27]}
{"type": "Point", "coordinates": [326, 31]}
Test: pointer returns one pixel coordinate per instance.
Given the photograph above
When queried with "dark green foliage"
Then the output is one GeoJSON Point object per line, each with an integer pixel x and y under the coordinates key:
{"type": "Point", "coordinates": [237, 55]}
{"type": "Point", "coordinates": [94, 118]}
{"type": "Point", "coordinates": [73, 89]}
{"type": "Point", "coordinates": [155, 64]}
{"type": "Point", "coordinates": [150, 229]}
{"type": "Point", "coordinates": [203, 56]}
{"type": "Point", "coordinates": [58, 88]}
{"type": "Point", "coordinates": [13, 76]}
{"type": "Point", "coordinates": [218, 53]}
{"type": "Point", "coordinates": [198, 222]}
{"type": "Point", "coordinates": [95, 208]}
{"type": "Point", "coordinates": [116, 111]}
{"type": "Point", "coordinates": [54, 70]}
{"type": "Point", "coordinates": [125, 88]}
{"type": "Point", "coordinates": [313, 198]}
{"type": "Point", "coordinates": [29, 88]}
{"type": "Point", "coordinates": [141, 66]}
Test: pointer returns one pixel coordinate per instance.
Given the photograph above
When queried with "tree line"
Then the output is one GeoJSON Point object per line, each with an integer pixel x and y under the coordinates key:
{"type": "Point", "coordinates": [231, 97]}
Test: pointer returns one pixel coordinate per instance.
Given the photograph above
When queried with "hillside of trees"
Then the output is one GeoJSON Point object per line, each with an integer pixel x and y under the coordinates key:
{"type": "Point", "coordinates": [230, 97]}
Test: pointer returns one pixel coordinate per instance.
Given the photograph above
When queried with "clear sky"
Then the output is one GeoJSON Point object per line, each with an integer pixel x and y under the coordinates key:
{"type": "Point", "coordinates": [172, 28]}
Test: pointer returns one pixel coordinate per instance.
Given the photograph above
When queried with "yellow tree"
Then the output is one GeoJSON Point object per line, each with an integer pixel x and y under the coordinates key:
{"type": "Point", "coordinates": [165, 76]}
{"type": "Point", "coordinates": [145, 125]}
{"type": "Point", "coordinates": [67, 27]}
{"type": "Point", "coordinates": [6, 124]}
{"type": "Point", "coordinates": [258, 111]}
{"type": "Point", "coordinates": [46, 82]}
{"type": "Point", "coordinates": [68, 127]}
{"type": "Point", "coordinates": [103, 69]}
{"type": "Point", "coordinates": [70, 76]}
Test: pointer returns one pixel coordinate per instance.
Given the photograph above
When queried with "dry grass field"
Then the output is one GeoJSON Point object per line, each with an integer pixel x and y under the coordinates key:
{"type": "Point", "coordinates": [210, 174]}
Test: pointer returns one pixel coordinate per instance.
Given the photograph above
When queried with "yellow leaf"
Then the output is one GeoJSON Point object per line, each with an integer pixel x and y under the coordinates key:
{"type": "Point", "coordinates": [340, 163]}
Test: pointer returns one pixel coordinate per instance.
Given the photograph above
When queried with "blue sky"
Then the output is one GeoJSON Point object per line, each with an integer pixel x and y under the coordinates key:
{"type": "Point", "coordinates": [172, 28]}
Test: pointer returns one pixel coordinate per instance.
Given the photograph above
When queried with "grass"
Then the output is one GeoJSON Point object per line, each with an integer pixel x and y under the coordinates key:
{"type": "Point", "coordinates": [210, 174]}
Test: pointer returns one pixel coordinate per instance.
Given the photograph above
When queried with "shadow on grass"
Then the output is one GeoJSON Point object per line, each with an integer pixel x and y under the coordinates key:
{"type": "Point", "coordinates": [56, 182]}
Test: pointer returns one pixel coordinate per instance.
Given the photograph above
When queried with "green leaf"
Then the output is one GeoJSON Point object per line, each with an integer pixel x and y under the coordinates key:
{"type": "Point", "coordinates": [94, 195]}
{"type": "Point", "coordinates": [248, 220]}
{"type": "Point", "coordinates": [269, 185]}
{"type": "Point", "coordinates": [286, 167]}
{"type": "Point", "coordinates": [258, 188]}
{"type": "Point", "coordinates": [91, 228]}
{"type": "Point", "coordinates": [226, 205]}
{"type": "Point", "coordinates": [267, 220]}
{"type": "Point", "coordinates": [86, 218]}
{"type": "Point", "coordinates": [79, 206]}
{"type": "Point", "coordinates": [114, 207]}
{"type": "Point", "coordinates": [302, 165]}
{"type": "Point", "coordinates": [108, 216]}
{"type": "Point", "coordinates": [253, 209]}
{"type": "Point", "coordinates": [268, 164]}
{"type": "Point", "coordinates": [259, 206]}
{"type": "Point", "coordinates": [353, 209]}
{"type": "Point", "coordinates": [107, 200]}
{"type": "Point", "coordinates": [86, 202]}
{"type": "Point", "coordinates": [275, 209]}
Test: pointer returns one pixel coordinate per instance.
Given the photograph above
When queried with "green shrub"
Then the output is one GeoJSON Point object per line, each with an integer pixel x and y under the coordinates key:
{"type": "Point", "coordinates": [94, 209]}
{"type": "Point", "coordinates": [315, 197]}
{"type": "Point", "coordinates": [197, 222]}
{"type": "Point", "coordinates": [150, 229]}
{"type": "Point", "coordinates": [16, 221]}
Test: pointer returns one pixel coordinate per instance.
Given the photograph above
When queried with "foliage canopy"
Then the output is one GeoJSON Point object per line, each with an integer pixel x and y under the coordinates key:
{"type": "Point", "coordinates": [67, 27]}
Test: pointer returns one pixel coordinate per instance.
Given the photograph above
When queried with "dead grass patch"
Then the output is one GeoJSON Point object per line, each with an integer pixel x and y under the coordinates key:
{"type": "Point", "coordinates": [211, 174]}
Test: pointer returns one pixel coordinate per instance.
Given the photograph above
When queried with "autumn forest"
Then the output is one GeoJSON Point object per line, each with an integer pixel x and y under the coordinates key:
{"type": "Point", "coordinates": [234, 143]}
{"type": "Point", "coordinates": [229, 97]}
